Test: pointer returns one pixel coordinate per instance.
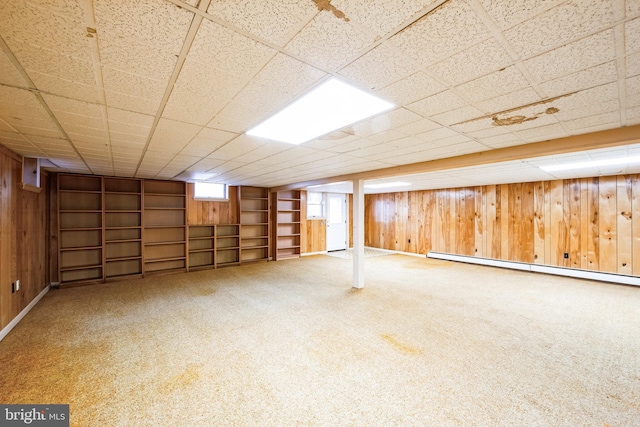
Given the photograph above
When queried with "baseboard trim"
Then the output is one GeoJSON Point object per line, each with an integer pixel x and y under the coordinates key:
{"type": "Point", "coordinates": [314, 253]}
{"type": "Point", "coordinates": [537, 268]}
{"type": "Point", "coordinates": [20, 316]}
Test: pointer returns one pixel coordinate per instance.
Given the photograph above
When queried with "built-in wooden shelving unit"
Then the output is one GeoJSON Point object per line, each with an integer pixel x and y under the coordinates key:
{"type": "Point", "coordinates": [122, 227]}
{"type": "Point", "coordinates": [287, 224]}
{"type": "Point", "coordinates": [113, 228]}
{"type": "Point", "coordinates": [227, 245]}
{"type": "Point", "coordinates": [202, 250]}
{"type": "Point", "coordinates": [165, 229]}
{"type": "Point", "coordinates": [80, 225]}
{"type": "Point", "coordinates": [254, 224]}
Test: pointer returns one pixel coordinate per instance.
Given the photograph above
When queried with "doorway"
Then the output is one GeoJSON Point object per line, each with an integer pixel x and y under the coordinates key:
{"type": "Point", "coordinates": [336, 222]}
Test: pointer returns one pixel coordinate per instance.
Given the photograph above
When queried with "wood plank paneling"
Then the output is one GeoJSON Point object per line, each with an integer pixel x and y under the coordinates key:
{"type": "Point", "coordinates": [202, 212]}
{"type": "Point", "coordinates": [556, 219]}
{"type": "Point", "coordinates": [504, 221]}
{"type": "Point", "coordinates": [593, 227]}
{"type": "Point", "coordinates": [607, 224]}
{"type": "Point", "coordinates": [574, 211]}
{"type": "Point", "coordinates": [538, 224]}
{"type": "Point", "coordinates": [24, 252]}
{"type": "Point", "coordinates": [624, 226]}
{"type": "Point", "coordinates": [635, 217]}
{"type": "Point", "coordinates": [594, 221]}
{"type": "Point", "coordinates": [527, 242]}
{"type": "Point", "coordinates": [492, 235]}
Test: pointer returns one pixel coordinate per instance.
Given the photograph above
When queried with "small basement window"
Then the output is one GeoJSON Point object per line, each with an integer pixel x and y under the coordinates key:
{"type": "Point", "coordinates": [210, 191]}
{"type": "Point", "coordinates": [315, 205]}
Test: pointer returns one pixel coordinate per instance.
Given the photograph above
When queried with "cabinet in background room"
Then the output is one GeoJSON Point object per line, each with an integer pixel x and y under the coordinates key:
{"type": "Point", "coordinates": [254, 224]}
{"type": "Point", "coordinates": [164, 219]}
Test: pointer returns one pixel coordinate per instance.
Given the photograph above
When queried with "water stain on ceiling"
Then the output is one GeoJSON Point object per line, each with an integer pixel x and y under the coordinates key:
{"type": "Point", "coordinates": [326, 5]}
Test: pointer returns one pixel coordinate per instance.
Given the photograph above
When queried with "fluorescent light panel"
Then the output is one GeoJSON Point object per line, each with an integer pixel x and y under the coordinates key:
{"type": "Point", "coordinates": [592, 164]}
{"type": "Point", "coordinates": [332, 105]}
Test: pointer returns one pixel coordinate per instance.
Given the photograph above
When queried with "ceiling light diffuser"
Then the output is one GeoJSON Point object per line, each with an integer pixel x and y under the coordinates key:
{"type": "Point", "coordinates": [591, 164]}
{"type": "Point", "coordinates": [331, 106]}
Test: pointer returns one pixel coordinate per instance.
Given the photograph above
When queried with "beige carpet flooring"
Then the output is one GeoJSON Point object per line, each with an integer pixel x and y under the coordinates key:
{"type": "Point", "coordinates": [289, 343]}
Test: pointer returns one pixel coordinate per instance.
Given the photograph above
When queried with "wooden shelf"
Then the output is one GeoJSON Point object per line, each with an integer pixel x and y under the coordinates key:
{"type": "Point", "coordinates": [287, 224]}
{"type": "Point", "coordinates": [254, 224]}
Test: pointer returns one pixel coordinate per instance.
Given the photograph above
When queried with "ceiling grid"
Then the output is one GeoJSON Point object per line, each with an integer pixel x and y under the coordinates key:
{"type": "Point", "coordinates": [168, 88]}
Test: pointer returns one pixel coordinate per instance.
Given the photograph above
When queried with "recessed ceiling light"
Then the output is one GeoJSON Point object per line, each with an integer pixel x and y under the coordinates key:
{"type": "Point", "coordinates": [387, 185]}
{"type": "Point", "coordinates": [591, 164]}
{"type": "Point", "coordinates": [331, 106]}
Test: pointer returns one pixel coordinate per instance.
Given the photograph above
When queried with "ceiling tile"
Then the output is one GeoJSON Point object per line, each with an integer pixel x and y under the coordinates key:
{"type": "Point", "coordinates": [437, 35]}
{"type": "Point", "coordinates": [394, 119]}
{"type": "Point", "coordinates": [417, 127]}
{"type": "Point", "coordinates": [494, 84]}
{"type": "Point", "coordinates": [272, 20]}
{"type": "Point", "coordinates": [633, 116]}
{"type": "Point", "coordinates": [476, 61]}
{"type": "Point", "coordinates": [412, 88]}
{"type": "Point", "coordinates": [9, 74]}
{"type": "Point", "coordinates": [329, 42]}
{"type": "Point", "coordinates": [63, 87]}
{"type": "Point", "coordinates": [551, 131]}
{"type": "Point", "coordinates": [172, 136]}
{"type": "Point", "coordinates": [458, 115]}
{"type": "Point", "coordinates": [559, 25]}
{"type": "Point", "coordinates": [275, 86]}
{"type": "Point", "coordinates": [632, 36]}
{"type": "Point", "coordinates": [633, 65]}
{"type": "Point", "coordinates": [133, 103]}
{"type": "Point", "coordinates": [380, 67]}
{"type": "Point", "coordinates": [633, 91]}
{"type": "Point", "coordinates": [574, 57]}
{"type": "Point", "coordinates": [243, 144]}
{"type": "Point", "coordinates": [132, 85]}
{"type": "Point", "coordinates": [595, 76]}
{"type": "Point", "coordinates": [509, 101]}
{"type": "Point", "coordinates": [229, 52]}
{"type": "Point", "coordinates": [591, 100]}
{"type": "Point", "coordinates": [610, 118]}
{"type": "Point", "coordinates": [158, 24]}
{"type": "Point", "coordinates": [507, 13]}
{"type": "Point", "coordinates": [435, 104]}
{"type": "Point", "coordinates": [380, 16]}
{"type": "Point", "coordinates": [60, 29]}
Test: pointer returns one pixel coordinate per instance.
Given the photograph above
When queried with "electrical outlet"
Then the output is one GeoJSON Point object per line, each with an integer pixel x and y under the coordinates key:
{"type": "Point", "coordinates": [17, 285]}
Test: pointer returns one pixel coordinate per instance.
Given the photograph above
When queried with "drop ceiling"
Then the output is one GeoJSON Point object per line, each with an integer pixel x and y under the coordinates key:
{"type": "Point", "coordinates": [167, 89]}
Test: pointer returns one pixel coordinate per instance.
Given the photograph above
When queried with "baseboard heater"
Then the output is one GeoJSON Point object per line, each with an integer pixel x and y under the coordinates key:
{"type": "Point", "coordinates": [537, 268]}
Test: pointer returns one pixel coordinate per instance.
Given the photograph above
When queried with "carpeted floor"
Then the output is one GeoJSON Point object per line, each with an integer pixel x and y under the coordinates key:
{"type": "Point", "coordinates": [368, 253]}
{"type": "Point", "coordinates": [426, 342]}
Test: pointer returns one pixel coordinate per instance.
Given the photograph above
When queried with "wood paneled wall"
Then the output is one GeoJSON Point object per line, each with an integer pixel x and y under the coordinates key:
{"type": "Point", "coordinates": [23, 238]}
{"type": "Point", "coordinates": [205, 212]}
{"type": "Point", "coordinates": [590, 223]}
{"type": "Point", "coordinates": [313, 232]}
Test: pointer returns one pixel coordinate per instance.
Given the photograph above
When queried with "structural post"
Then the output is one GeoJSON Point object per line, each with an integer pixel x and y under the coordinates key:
{"type": "Point", "coordinates": [358, 233]}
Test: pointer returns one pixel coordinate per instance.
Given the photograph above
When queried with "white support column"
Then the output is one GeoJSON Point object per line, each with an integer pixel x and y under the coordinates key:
{"type": "Point", "coordinates": [358, 233]}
